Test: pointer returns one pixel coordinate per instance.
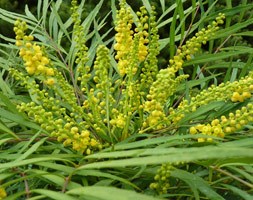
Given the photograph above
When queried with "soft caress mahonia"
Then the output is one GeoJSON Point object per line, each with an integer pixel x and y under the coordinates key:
{"type": "Point", "coordinates": [106, 102]}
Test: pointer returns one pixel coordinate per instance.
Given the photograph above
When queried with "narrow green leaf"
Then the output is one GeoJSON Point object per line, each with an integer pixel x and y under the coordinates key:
{"type": "Point", "coordinates": [33, 149]}
{"type": "Point", "coordinates": [162, 2]}
{"type": "Point", "coordinates": [218, 56]}
{"type": "Point", "coordinates": [108, 193]}
{"type": "Point", "coordinates": [57, 179]}
{"type": "Point", "coordinates": [5, 129]}
{"type": "Point", "coordinates": [193, 83]}
{"type": "Point", "coordinates": [55, 166]}
{"type": "Point", "coordinates": [239, 192]}
{"type": "Point", "coordinates": [97, 173]}
{"type": "Point", "coordinates": [29, 14]}
{"type": "Point", "coordinates": [59, 21]}
{"type": "Point", "coordinates": [39, 4]}
{"type": "Point", "coordinates": [234, 74]}
{"type": "Point", "coordinates": [4, 86]}
{"type": "Point", "coordinates": [31, 161]}
{"type": "Point", "coordinates": [196, 182]}
{"type": "Point", "coordinates": [242, 172]}
{"type": "Point", "coordinates": [6, 100]}
{"type": "Point", "coordinates": [18, 119]}
{"type": "Point", "coordinates": [150, 142]}
{"type": "Point", "coordinates": [3, 141]}
{"type": "Point", "coordinates": [205, 109]}
{"type": "Point", "coordinates": [159, 156]}
{"type": "Point", "coordinates": [15, 196]}
{"type": "Point", "coordinates": [172, 33]}
{"type": "Point", "coordinates": [45, 12]}
{"type": "Point", "coordinates": [53, 195]}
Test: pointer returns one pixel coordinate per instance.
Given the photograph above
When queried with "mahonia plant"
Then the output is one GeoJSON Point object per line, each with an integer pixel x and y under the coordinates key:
{"type": "Point", "coordinates": [102, 104]}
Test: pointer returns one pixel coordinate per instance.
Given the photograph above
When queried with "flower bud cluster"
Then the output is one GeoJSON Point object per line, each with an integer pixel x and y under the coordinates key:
{"type": "Point", "coordinates": [47, 109]}
{"type": "Point", "coordinates": [150, 68]}
{"type": "Point", "coordinates": [166, 81]}
{"type": "Point", "coordinates": [66, 130]}
{"type": "Point", "coordinates": [237, 91]}
{"type": "Point", "coordinates": [131, 45]}
{"type": "Point", "coordinates": [99, 103]}
{"type": "Point", "coordinates": [81, 48]}
{"type": "Point", "coordinates": [123, 37]}
{"type": "Point", "coordinates": [161, 184]}
{"type": "Point", "coordinates": [142, 33]}
{"type": "Point", "coordinates": [226, 124]}
{"type": "Point", "coordinates": [36, 62]}
{"type": "Point", "coordinates": [167, 76]}
{"type": "Point", "coordinates": [102, 66]}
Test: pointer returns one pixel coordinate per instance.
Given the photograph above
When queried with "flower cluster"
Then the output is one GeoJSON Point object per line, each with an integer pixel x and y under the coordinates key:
{"type": "Point", "coordinates": [36, 62]}
{"type": "Point", "coordinates": [150, 68]}
{"type": "Point", "coordinates": [100, 99]}
{"type": "Point", "coordinates": [226, 124]}
{"type": "Point", "coordinates": [161, 184]}
{"type": "Point", "coordinates": [81, 48]}
{"type": "Point", "coordinates": [98, 105]}
{"type": "Point", "coordinates": [57, 113]}
{"type": "Point", "coordinates": [123, 37]}
{"type": "Point", "coordinates": [66, 130]}
{"type": "Point", "coordinates": [142, 34]}
{"type": "Point", "coordinates": [166, 80]}
{"type": "Point", "coordinates": [55, 119]}
{"type": "Point", "coordinates": [131, 45]}
{"type": "Point", "coordinates": [237, 91]}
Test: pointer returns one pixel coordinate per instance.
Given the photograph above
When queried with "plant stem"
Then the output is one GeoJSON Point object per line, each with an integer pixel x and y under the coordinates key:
{"type": "Point", "coordinates": [232, 176]}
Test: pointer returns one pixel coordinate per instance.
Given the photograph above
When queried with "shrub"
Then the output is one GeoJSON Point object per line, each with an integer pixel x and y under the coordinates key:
{"type": "Point", "coordinates": [111, 106]}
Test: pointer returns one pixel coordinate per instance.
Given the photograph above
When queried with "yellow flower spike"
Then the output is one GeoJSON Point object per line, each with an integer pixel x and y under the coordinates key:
{"type": "Point", "coordinates": [160, 93]}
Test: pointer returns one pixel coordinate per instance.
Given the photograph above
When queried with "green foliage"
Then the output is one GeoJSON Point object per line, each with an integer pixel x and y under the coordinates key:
{"type": "Point", "coordinates": [88, 115]}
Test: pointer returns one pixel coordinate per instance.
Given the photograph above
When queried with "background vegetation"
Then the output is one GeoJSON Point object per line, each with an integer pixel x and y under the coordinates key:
{"type": "Point", "coordinates": [34, 165]}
